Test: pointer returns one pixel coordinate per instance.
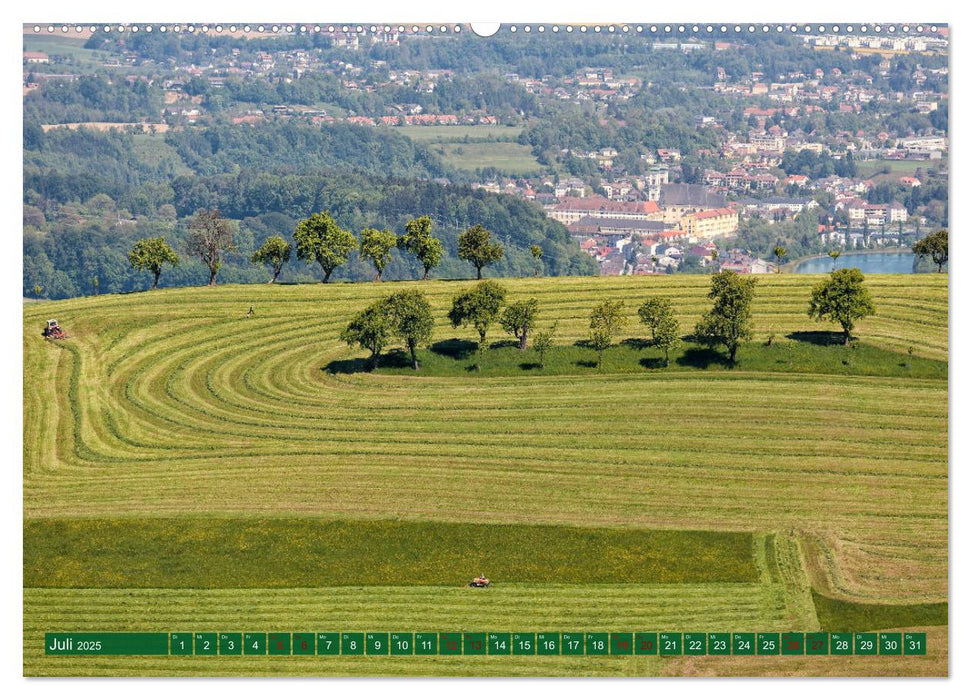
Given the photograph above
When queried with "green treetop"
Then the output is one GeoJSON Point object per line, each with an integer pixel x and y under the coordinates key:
{"type": "Point", "coordinates": [476, 246]}
{"type": "Point", "coordinates": [371, 329]}
{"type": "Point", "coordinates": [376, 246]}
{"type": "Point", "coordinates": [478, 307]}
{"type": "Point", "coordinates": [418, 241]}
{"type": "Point", "coordinates": [606, 320]}
{"type": "Point", "coordinates": [321, 240]}
{"type": "Point", "coordinates": [658, 315]}
{"type": "Point", "coordinates": [150, 254]}
{"type": "Point", "coordinates": [274, 252]}
{"type": "Point", "coordinates": [519, 319]}
{"type": "Point", "coordinates": [729, 322]}
{"type": "Point", "coordinates": [934, 245]}
{"type": "Point", "coordinates": [841, 299]}
{"type": "Point", "coordinates": [411, 320]}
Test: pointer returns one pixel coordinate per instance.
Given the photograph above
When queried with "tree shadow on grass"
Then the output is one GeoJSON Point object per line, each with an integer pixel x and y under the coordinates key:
{"type": "Point", "coordinates": [637, 343]}
{"type": "Point", "coordinates": [590, 364]}
{"type": "Point", "coordinates": [817, 337]}
{"type": "Point", "coordinates": [503, 344]}
{"type": "Point", "coordinates": [703, 358]}
{"type": "Point", "coordinates": [652, 362]}
{"type": "Point", "coordinates": [529, 365]}
{"type": "Point", "coordinates": [456, 348]}
{"type": "Point", "coordinates": [395, 359]}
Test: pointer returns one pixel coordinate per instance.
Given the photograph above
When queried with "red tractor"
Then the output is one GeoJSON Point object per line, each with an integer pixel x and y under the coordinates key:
{"type": "Point", "coordinates": [480, 582]}
{"type": "Point", "coordinates": [53, 331]}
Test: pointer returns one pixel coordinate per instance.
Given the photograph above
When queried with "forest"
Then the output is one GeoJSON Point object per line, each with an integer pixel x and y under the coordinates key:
{"type": "Point", "coordinates": [88, 196]}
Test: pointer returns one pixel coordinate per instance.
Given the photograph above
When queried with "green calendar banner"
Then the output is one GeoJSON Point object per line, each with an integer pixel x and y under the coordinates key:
{"type": "Point", "coordinates": [695, 643]}
{"type": "Point", "coordinates": [669, 643]}
{"type": "Point", "coordinates": [841, 643]}
{"type": "Point", "coordinates": [817, 644]}
{"type": "Point", "coordinates": [548, 643]}
{"type": "Point", "coordinates": [500, 643]}
{"type": "Point", "coordinates": [793, 644]}
{"type": "Point", "coordinates": [865, 644]}
{"type": "Point", "coordinates": [891, 643]}
{"type": "Point", "coordinates": [352, 644]}
{"type": "Point", "coordinates": [621, 643]}
{"type": "Point", "coordinates": [304, 643]}
{"type": "Point", "coordinates": [402, 643]}
{"type": "Point", "coordinates": [328, 644]}
{"type": "Point", "coordinates": [523, 643]}
{"type": "Point", "coordinates": [743, 644]}
{"type": "Point", "coordinates": [426, 643]}
{"type": "Point", "coordinates": [645, 643]}
{"type": "Point", "coordinates": [377, 643]}
{"type": "Point", "coordinates": [206, 643]}
{"type": "Point", "coordinates": [254, 643]}
{"type": "Point", "coordinates": [278, 644]}
{"type": "Point", "coordinates": [571, 644]}
{"type": "Point", "coordinates": [230, 643]}
{"type": "Point", "coordinates": [106, 644]}
{"type": "Point", "coordinates": [450, 643]}
{"type": "Point", "coordinates": [915, 643]}
{"type": "Point", "coordinates": [719, 644]}
{"type": "Point", "coordinates": [475, 644]}
{"type": "Point", "coordinates": [598, 643]}
{"type": "Point", "coordinates": [181, 644]}
{"type": "Point", "coordinates": [767, 643]}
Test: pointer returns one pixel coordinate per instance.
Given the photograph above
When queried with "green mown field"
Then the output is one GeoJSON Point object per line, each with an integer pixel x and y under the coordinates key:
{"type": "Point", "coordinates": [175, 449]}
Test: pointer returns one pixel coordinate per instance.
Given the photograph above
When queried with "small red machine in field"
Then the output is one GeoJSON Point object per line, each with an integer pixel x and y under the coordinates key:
{"type": "Point", "coordinates": [480, 582]}
{"type": "Point", "coordinates": [53, 330]}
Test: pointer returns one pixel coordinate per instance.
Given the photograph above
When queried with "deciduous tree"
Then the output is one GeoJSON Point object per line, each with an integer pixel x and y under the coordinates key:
{"type": "Point", "coordinates": [606, 320]}
{"type": "Point", "coordinates": [376, 246]}
{"type": "Point", "coordinates": [478, 307]}
{"type": "Point", "coordinates": [934, 245]}
{"type": "Point", "coordinates": [210, 236]}
{"type": "Point", "coordinates": [476, 246]}
{"type": "Point", "coordinates": [658, 315]}
{"type": "Point", "coordinates": [519, 319]}
{"type": "Point", "coordinates": [150, 254]}
{"type": "Point", "coordinates": [418, 241]}
{"type": "Point", "coordinates": [371, 329]}
{"type": "Point", "coordinates": [321, 240]}
{"type": "Point", "coordinates": [841, 299]}
{"type": "Point", "coordinates": [543, 343]}
{"type": "Point", "coordinates": [729, 322]}
{"type": "Point", "coordinates": [411, 320]}
{"type": "Point", "coordinates": [274, 252]}
{"type": "Point", "coordinates": [537, 254]}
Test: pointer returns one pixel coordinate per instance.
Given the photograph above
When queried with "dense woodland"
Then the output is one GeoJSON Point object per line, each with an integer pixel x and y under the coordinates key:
{"type": "Point", "coordinates": [89, 196]}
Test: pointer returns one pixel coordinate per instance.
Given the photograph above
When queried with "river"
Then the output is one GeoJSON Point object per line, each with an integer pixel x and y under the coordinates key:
{"type": "Point", "coordinates": [867, 262]}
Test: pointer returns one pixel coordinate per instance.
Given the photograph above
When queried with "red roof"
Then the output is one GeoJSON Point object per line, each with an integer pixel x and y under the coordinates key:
{"type": "Point", "coordinates": [712, 213]}
{"type": "Point", "coordinates": [598, 203]}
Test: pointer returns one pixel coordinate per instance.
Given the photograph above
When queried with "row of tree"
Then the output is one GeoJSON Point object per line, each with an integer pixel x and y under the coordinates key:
{"type": "Point", "coordinates": [319, 240]}
{"type": "Point", "coordinates": [842, 298]}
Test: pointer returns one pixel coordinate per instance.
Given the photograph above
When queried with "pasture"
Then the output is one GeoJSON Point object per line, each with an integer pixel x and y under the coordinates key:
{"type": "Point", "coordinates": [509, 158]}
{"type": "Point", "coordinates": [173, 405]}
{"type": "Point", "coordinates": [458, 133]}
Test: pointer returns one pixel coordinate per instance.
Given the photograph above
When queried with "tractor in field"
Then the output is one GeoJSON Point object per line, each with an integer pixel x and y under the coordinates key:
{"type": "Point", "coordinates": [53, 331]}
{"type": "Point", "coordinates": [480, 582]}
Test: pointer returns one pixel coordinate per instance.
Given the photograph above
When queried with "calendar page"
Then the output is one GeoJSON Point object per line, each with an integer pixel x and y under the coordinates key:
{"type": "Point", "coordinates": [449, 349]}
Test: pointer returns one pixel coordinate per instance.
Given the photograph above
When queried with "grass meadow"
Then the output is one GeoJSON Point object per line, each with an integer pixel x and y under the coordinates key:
{"type": "Point", "coordinates": [170, 430]}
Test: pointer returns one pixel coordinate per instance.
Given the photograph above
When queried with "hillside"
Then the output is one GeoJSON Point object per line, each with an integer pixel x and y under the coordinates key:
{"type": "Point", "coordinates": [736, 493]}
